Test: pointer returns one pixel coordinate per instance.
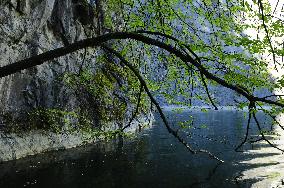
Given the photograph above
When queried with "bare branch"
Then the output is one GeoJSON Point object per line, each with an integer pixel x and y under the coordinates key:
{"type": "Point", "coordinates": [261, 132]}
{"type": "Point", "coordinates": [136, 109]}
{"type": "Point", "coordinates": [267, 32]}
{"type": "Point", "coordinates": [207, 91]}
{"type": "Point", "coordinates": [247, 129]}
{"type": "Point", "coordinates": [272, 96]}
{"type": "Point", "coordinates": [273, 117]}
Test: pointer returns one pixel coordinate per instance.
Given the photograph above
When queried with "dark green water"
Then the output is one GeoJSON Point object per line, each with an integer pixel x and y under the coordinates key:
{"type": "Point", "coordinates": [152, 159]}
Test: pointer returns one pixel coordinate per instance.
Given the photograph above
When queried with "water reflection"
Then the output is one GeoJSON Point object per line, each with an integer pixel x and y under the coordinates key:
{"type": "Point", "coordinates": [152, 159]}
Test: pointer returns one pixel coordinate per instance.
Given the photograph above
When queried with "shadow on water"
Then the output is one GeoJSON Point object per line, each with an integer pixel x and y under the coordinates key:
{"type": "Point", "coordinates": [152, 159]}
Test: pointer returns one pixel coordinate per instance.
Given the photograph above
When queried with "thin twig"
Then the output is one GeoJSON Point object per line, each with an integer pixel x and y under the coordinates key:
{"type": "Point", "coordinates": [267, 33]}
{"type": "Point", "coordinates": [261, 133]}
{"type": "Point", "coordinates": [136, 109]}
{"type": "Point", "coordinates": [207, 91]}
{"type": "Point", "coordinates": [272, 96]}
{"type": "Point", "coordinates": [273, 117]}
{"type": "Point", "coordinates": [247, 129]}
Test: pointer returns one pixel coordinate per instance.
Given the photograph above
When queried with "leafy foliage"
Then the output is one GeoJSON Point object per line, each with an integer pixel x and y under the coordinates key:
{"type": "Point", "coordinates": [219, 32]}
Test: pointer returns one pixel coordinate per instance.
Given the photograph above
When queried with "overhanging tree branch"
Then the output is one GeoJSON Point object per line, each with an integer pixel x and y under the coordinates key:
{"type": "Point", "coordinates": [153, 100]}
{"type": "Point", "coordinates": [96, 41]}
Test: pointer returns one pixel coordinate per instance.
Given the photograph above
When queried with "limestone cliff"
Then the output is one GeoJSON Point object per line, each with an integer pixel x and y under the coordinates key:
{"type": "Point", "coordinates": [28, 28]}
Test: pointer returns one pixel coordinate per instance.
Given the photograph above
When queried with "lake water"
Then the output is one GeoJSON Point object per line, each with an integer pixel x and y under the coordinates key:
{"type": "Point", "coordinates": [154, 158]}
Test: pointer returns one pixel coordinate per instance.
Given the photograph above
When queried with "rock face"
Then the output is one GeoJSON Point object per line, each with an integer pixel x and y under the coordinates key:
{"type": "Point", "coordinates": [15, 146]}
{"type": "Point", "coordinates": [30, 27]}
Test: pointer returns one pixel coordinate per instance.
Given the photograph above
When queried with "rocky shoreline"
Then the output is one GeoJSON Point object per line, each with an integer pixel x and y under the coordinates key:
{"type": "Point", "coordinates": [268, 167]}
{"type": "Point", "coordinates": [15, 146]}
